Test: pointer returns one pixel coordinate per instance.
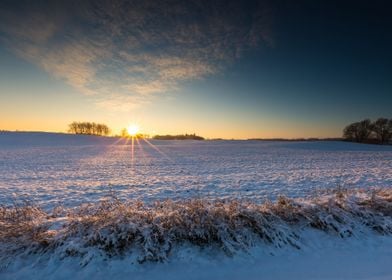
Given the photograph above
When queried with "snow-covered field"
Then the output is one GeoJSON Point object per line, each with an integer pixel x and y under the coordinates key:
{"type": "Point", "coordinates": [55, 169]}
{"type": "Point", "coordinates": [51, 170]}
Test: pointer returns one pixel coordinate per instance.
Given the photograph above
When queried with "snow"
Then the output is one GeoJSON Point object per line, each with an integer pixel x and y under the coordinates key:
{"type": "Point", "coordinates": [67, 170]}
{"type": "Point", "coordinates": [365, 259]}
{"type": "Point", "coordinates": [54, 169]}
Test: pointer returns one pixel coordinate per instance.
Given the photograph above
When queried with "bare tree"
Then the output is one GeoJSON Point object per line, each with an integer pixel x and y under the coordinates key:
{"type": "Point", "coordinates": [88, 128]}
{"type": "Point", "coordinates": [364, 130]}
{"type": "Point", "coordinates": [105, 130]}
{"type": "Point", "coordinates": [73, 127]}
{"type": "Point", "coordinates": [382, 130]}
{"type": "Point", "coordinates": [379, 131]}
{"type": "Point", "coordinates": [390, 130]}
{"type": "Point", "coordinates": [350, 132]}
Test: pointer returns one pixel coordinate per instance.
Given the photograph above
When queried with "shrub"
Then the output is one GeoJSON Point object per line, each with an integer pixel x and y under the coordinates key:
{"type": "Point", "coordinates": [151, 232]}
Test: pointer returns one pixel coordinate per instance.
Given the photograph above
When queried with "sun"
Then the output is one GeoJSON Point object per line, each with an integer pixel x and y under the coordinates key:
{"type": "Point", "coordinates": [133, 129]}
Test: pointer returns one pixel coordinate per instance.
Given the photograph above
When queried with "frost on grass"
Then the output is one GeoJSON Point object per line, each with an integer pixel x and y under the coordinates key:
{"type": "Point", "coordinates": [151, 232]}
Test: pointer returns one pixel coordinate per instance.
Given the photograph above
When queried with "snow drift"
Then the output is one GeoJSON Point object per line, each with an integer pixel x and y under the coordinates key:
{"type": "Point", "coordinates": [150, 232]}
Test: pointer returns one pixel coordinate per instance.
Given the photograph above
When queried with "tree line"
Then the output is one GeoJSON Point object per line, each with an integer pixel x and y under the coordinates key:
{"type": "Point", "coordinates": [89, 128]}
{"type": "Point", "coordinates": [178, 137]}
{"type": "Point", "coordinates": [366, 131]}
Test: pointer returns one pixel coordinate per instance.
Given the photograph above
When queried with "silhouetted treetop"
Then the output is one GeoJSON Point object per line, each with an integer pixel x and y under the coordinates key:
{"type": "Point", "coordinates": [367, 131]}
{"type": "Point", "coordinates": [178, 137]}
{"type": "Point", "coordinates": [89, 128]}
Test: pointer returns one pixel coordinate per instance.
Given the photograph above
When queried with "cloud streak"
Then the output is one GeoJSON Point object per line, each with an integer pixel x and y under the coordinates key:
{"type": "Point", "coordinates": [123, 53]}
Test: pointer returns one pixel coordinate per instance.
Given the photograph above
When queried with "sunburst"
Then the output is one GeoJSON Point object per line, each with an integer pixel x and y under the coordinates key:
{"type": "Point", "coordinates": [132, 134]}
{"type": "Point", "coordinates": [133, 130]}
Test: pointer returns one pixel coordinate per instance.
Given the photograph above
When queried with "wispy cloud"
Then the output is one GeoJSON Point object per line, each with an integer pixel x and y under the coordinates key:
{"type": "Point", "coordinates": [125, 52]}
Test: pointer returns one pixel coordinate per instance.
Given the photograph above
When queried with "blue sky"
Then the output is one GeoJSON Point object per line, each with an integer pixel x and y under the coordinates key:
{"type": "Point", "coordinates": [218, 68]}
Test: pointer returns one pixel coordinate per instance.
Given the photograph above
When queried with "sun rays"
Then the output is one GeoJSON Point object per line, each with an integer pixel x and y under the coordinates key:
{"type": "Point", "coordinates": [134, 137]}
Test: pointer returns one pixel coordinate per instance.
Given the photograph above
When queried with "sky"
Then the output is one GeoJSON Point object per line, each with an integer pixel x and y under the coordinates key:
{"type": "Point", "coordinates": [220, 69]}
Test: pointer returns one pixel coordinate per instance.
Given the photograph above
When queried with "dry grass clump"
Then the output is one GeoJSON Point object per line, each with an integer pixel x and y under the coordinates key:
{"type": "Point", "coordinates": [21, 221]}
{"type": "Point", "coordinates": [23, 228]}
{"type": "Point", "coordinates": [151, 232]}
{"type": "Point", "coordinates": [118, 227]}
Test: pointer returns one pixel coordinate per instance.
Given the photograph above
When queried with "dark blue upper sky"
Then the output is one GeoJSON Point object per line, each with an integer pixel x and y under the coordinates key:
{"type": "Point", "coordinates": [220, 68]}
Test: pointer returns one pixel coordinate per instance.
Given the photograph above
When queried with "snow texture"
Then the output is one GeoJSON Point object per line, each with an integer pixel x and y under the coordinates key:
{"type": "Point", "coordinates": [55, 169]}
{"type": "Point", "coordinates": [82, 207]}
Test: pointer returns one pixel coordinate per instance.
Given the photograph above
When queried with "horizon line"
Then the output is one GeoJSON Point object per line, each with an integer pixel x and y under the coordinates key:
{"type": "Point", "coordinates": [205, 138]}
